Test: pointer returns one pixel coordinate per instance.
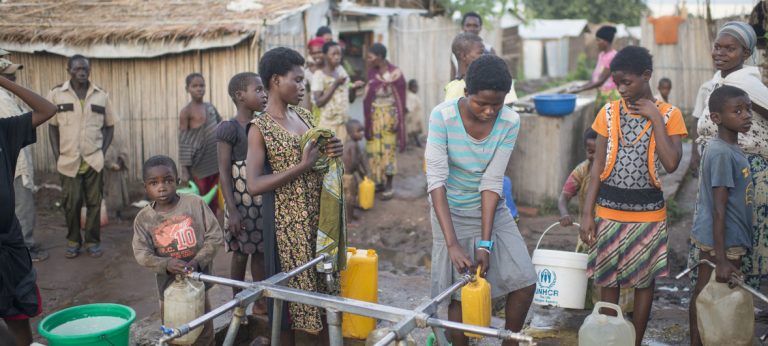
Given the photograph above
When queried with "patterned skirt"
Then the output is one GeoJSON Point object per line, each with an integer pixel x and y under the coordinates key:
{"type": "Point", "coordinates": [628, 254]}
{"type": "Point", "coordinates": [382, 146]}
{"type": "Point", "coordinates": [250, 240]}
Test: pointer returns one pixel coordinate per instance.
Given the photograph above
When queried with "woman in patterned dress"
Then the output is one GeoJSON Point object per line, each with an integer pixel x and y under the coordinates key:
{"type": "Point", "coordinates": [273, 140]}
{"type": "Point", "coordinates": [734, 45]}
{"type": "Point", "coordinates": [242, 215]}
{"type": "Point", "coordinates": [384, 108]}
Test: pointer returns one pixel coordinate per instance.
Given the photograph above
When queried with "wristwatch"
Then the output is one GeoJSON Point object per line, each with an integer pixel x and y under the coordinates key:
{"type": "Point", "coordinates": [488, 244]}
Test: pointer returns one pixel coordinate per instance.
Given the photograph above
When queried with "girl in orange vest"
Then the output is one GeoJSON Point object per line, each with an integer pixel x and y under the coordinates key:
{"type": "Point", "coordinates": [628, 237]}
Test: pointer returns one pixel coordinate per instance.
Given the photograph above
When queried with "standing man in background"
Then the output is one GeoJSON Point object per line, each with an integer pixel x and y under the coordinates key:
{"type": "Point", "coordinates": [80, 134]}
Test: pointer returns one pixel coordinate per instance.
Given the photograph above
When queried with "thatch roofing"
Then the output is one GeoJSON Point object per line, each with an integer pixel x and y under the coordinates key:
{"type": "Point", "coordinates": [88, 22]}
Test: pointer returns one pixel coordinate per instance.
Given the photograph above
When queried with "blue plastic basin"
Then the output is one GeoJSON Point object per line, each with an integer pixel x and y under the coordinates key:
{"type": "Point", "coordinates": [555, 105]}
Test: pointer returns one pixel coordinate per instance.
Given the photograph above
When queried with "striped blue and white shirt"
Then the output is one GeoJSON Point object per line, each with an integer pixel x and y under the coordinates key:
{"type": "Point", "coordinates": [467, 166]}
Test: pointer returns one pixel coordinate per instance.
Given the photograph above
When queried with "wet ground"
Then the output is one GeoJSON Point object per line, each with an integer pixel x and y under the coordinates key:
{"type": "Point", "coordinates": [398, 229]}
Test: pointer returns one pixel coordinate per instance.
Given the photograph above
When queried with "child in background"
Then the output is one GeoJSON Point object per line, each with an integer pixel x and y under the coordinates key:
{"type": "Point", "coordinates": [354, 166]}
{"type": "Point", "coordinates": [472, 228]}
{"type": "Point", "coordinates": [415, 113]}
{"type": "Point", "coordinates": [197, 139]}
{"type": "Point", "coordinates": [577, 185]}
{"type": "Point", "coordinates": [175, 233]}
{"type": "Point", "coordinates": [577, 182]}
{"type": "Point", "coordinates": [330, 90]}
{"type": "Point", "coordinates": [722, 223]}
{"type": "Point", "coordinates": [628, 238]}
{"type": "Point", "coordinates": [466, 47]}
{"type": "Point", "coordinates": [665, 87]}
{"type": "Point", "coordinates": [242, 215]}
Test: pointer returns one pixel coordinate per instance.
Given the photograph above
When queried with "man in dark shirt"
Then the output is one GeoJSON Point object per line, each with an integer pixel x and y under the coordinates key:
{"type": "Point", "coordinates": [19, 296]}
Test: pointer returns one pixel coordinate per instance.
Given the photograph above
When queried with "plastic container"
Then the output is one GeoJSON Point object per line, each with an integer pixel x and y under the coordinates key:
{"type": "Point", "coordinates": [192, 189]}
{"type": "Point", "coordinates": [604, 330]}
{"type": "Point", "coordinates": [562, 276]}
{"type": "Point", "coordinates": [508, 200]}
{"type": "Point", "coordinates": [184, 300]}
{"type": "Point", "coordinates": [476, 303]}
{"type": "Point", "coordinates": [103, 217]}
{"type": "Point", "coordinates": [555, 105]}
{"type": "Point", "coordinates": [376, 335]}
{"type": "Point", "coordinates": [360, 281]}
{"type": "Point", "coordinates": [725, 316]}
{"type": "Point", "coordinates": [365, 193]}
{"type": "Point", "coordinates": [117, 335]}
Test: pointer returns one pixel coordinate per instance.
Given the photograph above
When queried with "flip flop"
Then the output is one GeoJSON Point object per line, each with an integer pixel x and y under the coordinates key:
{"type": "Point", "coordinates": [71, 252]}
{"type": "Point", "coordinates": [95, 251]}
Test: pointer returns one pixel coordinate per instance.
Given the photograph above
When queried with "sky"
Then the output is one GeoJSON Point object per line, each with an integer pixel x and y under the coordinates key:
{"type": "Point", "coordinates": [720, 8]}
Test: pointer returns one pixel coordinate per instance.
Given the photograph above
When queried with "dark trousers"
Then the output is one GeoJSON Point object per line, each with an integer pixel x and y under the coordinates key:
{"type": "Point", "coordinates": [84, 188]}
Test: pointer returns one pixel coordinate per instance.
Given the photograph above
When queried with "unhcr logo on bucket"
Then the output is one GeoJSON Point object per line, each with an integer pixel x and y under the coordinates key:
{"type": "Point", "coordinates": [547, 278]}
{"type": "Point", "coordinates": [545, 285]}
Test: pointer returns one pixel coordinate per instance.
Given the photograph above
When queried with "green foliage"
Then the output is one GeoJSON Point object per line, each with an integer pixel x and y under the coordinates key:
{"type": "Point", "coordinates": [485, 8]}
{"type": "Point", "coordinates": [595, 11]}
{"type": "Point", "coordinates": [583, 71]}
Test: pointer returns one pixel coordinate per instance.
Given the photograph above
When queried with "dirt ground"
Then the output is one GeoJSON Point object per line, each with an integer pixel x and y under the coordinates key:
{"type": "Point", "coordinates": [398, 229]}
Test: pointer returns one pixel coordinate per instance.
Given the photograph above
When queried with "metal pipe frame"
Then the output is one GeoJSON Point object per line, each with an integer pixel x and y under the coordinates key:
{"type": "Point", "coordinates": [403, 328]}
{"type": "Point", "coordinates": [740, 283]}
{"type": "Point", "coordinates": [234, 325]}
{"type": "Point", "coordinates": [334, 326]}
{"type": "Point", "coordinates": [407, 320]}
{"type": "Point", "coordinates": [252, 292]}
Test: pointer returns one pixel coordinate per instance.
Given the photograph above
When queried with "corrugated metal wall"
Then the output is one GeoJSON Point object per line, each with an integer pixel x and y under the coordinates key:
{"type": "Point", "coordinates": [688, 63]}
{"type": "Point", "coordinates": [421, 47]}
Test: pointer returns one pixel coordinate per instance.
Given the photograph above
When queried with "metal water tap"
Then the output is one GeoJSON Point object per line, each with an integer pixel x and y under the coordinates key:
{"type": "Point", "coordinates": [327, 268]}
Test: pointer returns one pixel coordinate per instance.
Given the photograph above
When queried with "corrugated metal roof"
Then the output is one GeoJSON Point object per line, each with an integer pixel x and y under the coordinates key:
{"type": "Point", "coordinates": [544, 29]}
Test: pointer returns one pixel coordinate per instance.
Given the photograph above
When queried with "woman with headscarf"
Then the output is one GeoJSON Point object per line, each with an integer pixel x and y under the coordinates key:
{"type": "Point", "coordinates": [733, 46]}
{"type": "Point", "coordinates": [384, 108]}
{"type": "Point", "coordinates": [601, 75]}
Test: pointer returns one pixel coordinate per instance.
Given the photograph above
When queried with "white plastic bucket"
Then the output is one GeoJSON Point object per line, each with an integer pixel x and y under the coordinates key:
{"type": "Point", "coordinates": [561, 276]}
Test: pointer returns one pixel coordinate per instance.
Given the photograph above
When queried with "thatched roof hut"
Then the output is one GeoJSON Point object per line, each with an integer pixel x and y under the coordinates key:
{"type": "Point", "coordinates": [141, 52]}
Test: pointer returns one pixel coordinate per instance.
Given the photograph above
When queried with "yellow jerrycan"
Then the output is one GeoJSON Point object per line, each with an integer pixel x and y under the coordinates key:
{"type": "Point", "coordinates": [725, 316]}
{"type": "Point", "coordinates": [360, 281]}
{"type": "Point", "coordinates": [184, 300]}
{"type": "Point", "coordinates": [365, 193]}
{"type": "Point", "coordinates": [604, 330]}
{"type": "Point", "coordinates": [476, 303]}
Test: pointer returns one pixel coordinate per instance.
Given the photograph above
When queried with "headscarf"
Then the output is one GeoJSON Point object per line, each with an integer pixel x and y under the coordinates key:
{"type": "Point", "coordinates": [743, 32]}
{"type": "Point", "coordinates": [606, 32]}
{"type": "Point", "coordinates": [316, 42]}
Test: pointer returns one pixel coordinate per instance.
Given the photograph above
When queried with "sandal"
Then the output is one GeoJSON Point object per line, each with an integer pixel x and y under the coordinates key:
{"type": "Point", "coordinates": [387, 195]}
{"type": "Point", "coordinates": [71, 252]}
{"type": "Point", "coordinates": [95, 251]}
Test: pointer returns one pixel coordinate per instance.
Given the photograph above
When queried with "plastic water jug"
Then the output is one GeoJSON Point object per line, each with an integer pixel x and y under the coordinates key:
{"type": "Point", "coordinates": [725, 316]}
{"type": "Point", "coordinates": [103, 216]}
{"type": "Point", "coordinates": [184, 300]}
{"type": "Point", "coordinates": [476, 303]}
{"type": "Point", "coordinates": [360, 281]}
{"type": "Point", "coordinates": [365, 194]}
{"type": "Point", "coordinates": [604, 330]}
{"type": "Point", "coordinates": [376, 335]}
